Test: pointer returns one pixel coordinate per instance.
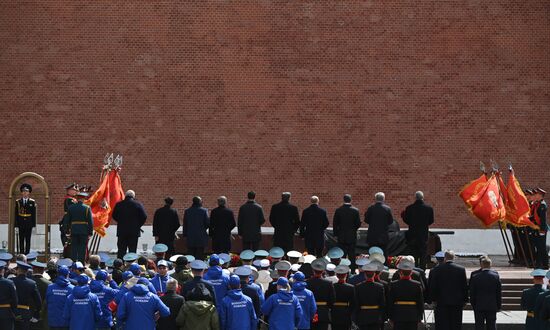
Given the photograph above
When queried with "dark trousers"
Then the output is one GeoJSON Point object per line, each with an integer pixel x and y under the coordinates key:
{"type": "Point", "coordinates": [25, 240]}
{"type": "Point", "coordinates": [315, 247]}
{"type": "Point", "coordinates": [248, 245]}
{"type": "Point", "coordinates": [541, 257]}
{"type": "Point", "coordinates": [319, 326]}
{"type": "Point", "coordinates": [485, 320]}
{"type": "Point", "coordinates": [78, 247]}
{"type": "Point", "coordinates": [6, 324]}
{"type": "Point", "coordinates": [24, 324]}
{"type": "Point", "coordinates": [349, 252]}
{"type": "Point", "coordinates": [169, 243]}
{"type": "Point", "coordinates": [342, 327]}
{"type": "Point", "coordinates": [405, 325]}
{"type": "Point", "coordinates": [448, 317]}
{"type": "Point", "coordinates": [221, 245]}
{"type": "Point", "coordinates": [418, 251]}
{"type": "Point", "coordinates": [126, 243]}
{"type": "Point", "coordinates": [287, 243]}
{"type": "Point", "coordinates": [372, 327]}
{"type": "Point", "coordinates": [196, 251]}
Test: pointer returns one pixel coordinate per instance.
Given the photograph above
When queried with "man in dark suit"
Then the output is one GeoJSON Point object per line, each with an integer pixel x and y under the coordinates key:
{"type": "Point", "coordinates": [249, 223]}
{"type": "Point", "coordinates": [312, 227]}
{"type": "Point", "coordinates": [285, 219]}
{"type": "Point", "coordinates": [486, 296]}
{"type": "Point", "coordinates": [419, 216]}
{"type": "Point", "coordinates": [195, 225]}
{"type": "Point", "coordinates": [129, 215]}
{"type": "Point", "coordinates": [166, 222]}
{"type": "Point", "coordinates": [174, 301]}
{"type": "Point", "coordinates": [379, 218]}
{"type": "Point", "coordinates": [448, 287]}
{"type": "Point", "coordinates": [222, 222]}
{"type": "Point", "coordinates": [25, 217]}
{"type": "Point", "coordinates": [345, 223]}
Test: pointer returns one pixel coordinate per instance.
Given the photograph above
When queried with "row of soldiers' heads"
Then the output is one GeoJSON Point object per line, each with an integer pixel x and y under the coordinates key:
{"type": "Point", "coordinates": [534, 194]}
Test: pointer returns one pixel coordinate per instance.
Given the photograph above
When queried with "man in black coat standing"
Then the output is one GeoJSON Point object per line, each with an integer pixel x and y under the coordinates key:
{"type": "Point", "coordinates": [486, 296]}
{"type": "Point", "coordinates": [419, 216]}
{"type": "Point", "coordinates": [222, 221]}
{"type": "Point", "coordinates": [249, 223]}
{"type": "Point", "coordinates": [129, 215]}
{"type": "Point", "coordinates": [174, 301]}
{"type": "Point", "coordinates": [448, 288]}
{"type": "Point", "coordinates": [312, 227]}
{"type": "Point", "coordinates": [345, 223]}
{"type": "Point", "coordinates": [195, 225]}
{"type": "Point", "coordinates": [165, 224]}
{"type": "Point", "coordinates": [379, 218]}
{"type": "Point", "coordinates": [285, 219]}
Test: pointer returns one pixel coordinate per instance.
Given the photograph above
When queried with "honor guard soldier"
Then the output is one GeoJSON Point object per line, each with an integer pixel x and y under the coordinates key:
{"type": "Point", "coordinates": [529, 298]}
{"type": "Point", "coordinates": [42, 284]}
{"type": "Point", "coordinates": [539, 238]}
{"type": "Point", "coordinates": [371, 301]}
{"type": "Point", "coordinates": [344, 300]}
{"type": "Point", "coordinates": [25, 217]}
{"type": "Point", "coordinates": [70, 199]}
{"type": "Point", "coordinates": [405, 302]}
{"type": "Point", "coordinates": [8, 300]}
{"type": "Point", "coordinates": [323, 291]}
{"type": "Point", "coordinates": [80, 226]}
{"type": "Point", "coordinates": [27, 296]}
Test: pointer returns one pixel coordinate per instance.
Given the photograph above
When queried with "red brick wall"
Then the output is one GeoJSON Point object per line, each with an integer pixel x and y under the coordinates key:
{"type": "Point", "coordinates": [313, 97]}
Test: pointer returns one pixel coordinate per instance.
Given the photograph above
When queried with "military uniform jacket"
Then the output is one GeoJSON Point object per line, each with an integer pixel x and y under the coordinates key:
{"type": "Point", "coordinates": [528, 300]}
{"type": "Point", "coordinates": [405, 301]}
{"type": "Point", "coordinates": [79, 219]}
{"type": "Point", "coordinates": [344, 304]}
{"type": "Point", "coordinates": [166, 222]}
{"type": "Point", "coordinates": [27, 296]}
{"type": "Point", "coordinates": [345, 223]}
{"type": "Point", "coordinates": [313, 224]}
{"type": "Point", "coordinates": [250, 219]}
{"type": "Point", "coordinates": [8, 299]}
{"type": "Point", "coordinates": [371, 303]}
{"type": "Point", "coordinates": [419, 216]}
{"type": "Point", "coordinates": [285, 219]}
{"type": "Point", "coordinates": [323, 291]}
{"type": "Point", "coordinates": [25, 214]}
{"type": "Point", "coordinates": [379, 218]}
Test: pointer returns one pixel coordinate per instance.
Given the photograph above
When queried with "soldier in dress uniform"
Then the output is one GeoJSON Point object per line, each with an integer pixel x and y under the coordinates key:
{"type": "Point", "coordinates": [539, 237]}
{"type": "Point", "coordinates": [80, 226]}
{"type": "Point", "coordinates": [8, 300]}
{"type": "Point", "coordinates": [28, 297]}
{"type": "Point", "coordinates": [25, 217]}
{"type": "Point", "coordinates": [344, 300]}
{"type": "Point", "coordinates": [405, 300]}
{"type": "Point", "coordinates": [70, 199]}
{"type": "Point", "coordinates": [529, 297]}
{"type": "Point", "coordinates": [323, 291]}
{"type": "Point", "coordinates": [371, 301]}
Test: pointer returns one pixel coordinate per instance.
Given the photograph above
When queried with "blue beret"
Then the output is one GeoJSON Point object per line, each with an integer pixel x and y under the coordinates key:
{"type": "Point", "coordinates": [276, 252]}
{"type": "Point", "coordinates": [335, 253]}
{"type": "Point", "coordinates": [243, 271]}
{"type": "Point", "coordinates": [198, 265]}
{"type": "Point", "coordinates": [160, 248]}
{"type": "Point", "coordinates": [247, 255]}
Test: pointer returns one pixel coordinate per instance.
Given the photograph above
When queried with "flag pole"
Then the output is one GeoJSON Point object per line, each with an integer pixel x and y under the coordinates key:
{"type": "Point", "coordinates": [503, 233]}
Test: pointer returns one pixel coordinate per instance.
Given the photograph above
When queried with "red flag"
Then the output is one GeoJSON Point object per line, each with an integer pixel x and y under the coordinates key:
{"type": "Point", "coordinates": [517, 206]}
{"type": "Point", "coordinates": [472, 189]}
{"type": "Point", "coordinates": [487, 204]}
{"type": "Point", "coordinates": [104, 199]}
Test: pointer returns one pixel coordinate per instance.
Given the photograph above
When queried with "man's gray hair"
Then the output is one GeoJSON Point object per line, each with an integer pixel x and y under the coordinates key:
{"type": "Point", "coordinates": [449, 255]}
{"type": "Point", "coordinates": [222, 200]}
{"type": "Point", "coordinates": [419, 195]}
{"type": "Point", "coordinates": [171, 284]}
{"type": "Point", "coordinates": [379, 196]}
{"type": "Point", "coordinates": [130, 193]}
{"type": "Point", "coordinates": [285, 196]}
{"type": "Point", "coordinates": [314, 200]}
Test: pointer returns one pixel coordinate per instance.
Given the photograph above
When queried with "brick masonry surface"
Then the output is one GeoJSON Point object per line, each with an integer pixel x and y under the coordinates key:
{"type": "Point", "coordinates": [313, 97]}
